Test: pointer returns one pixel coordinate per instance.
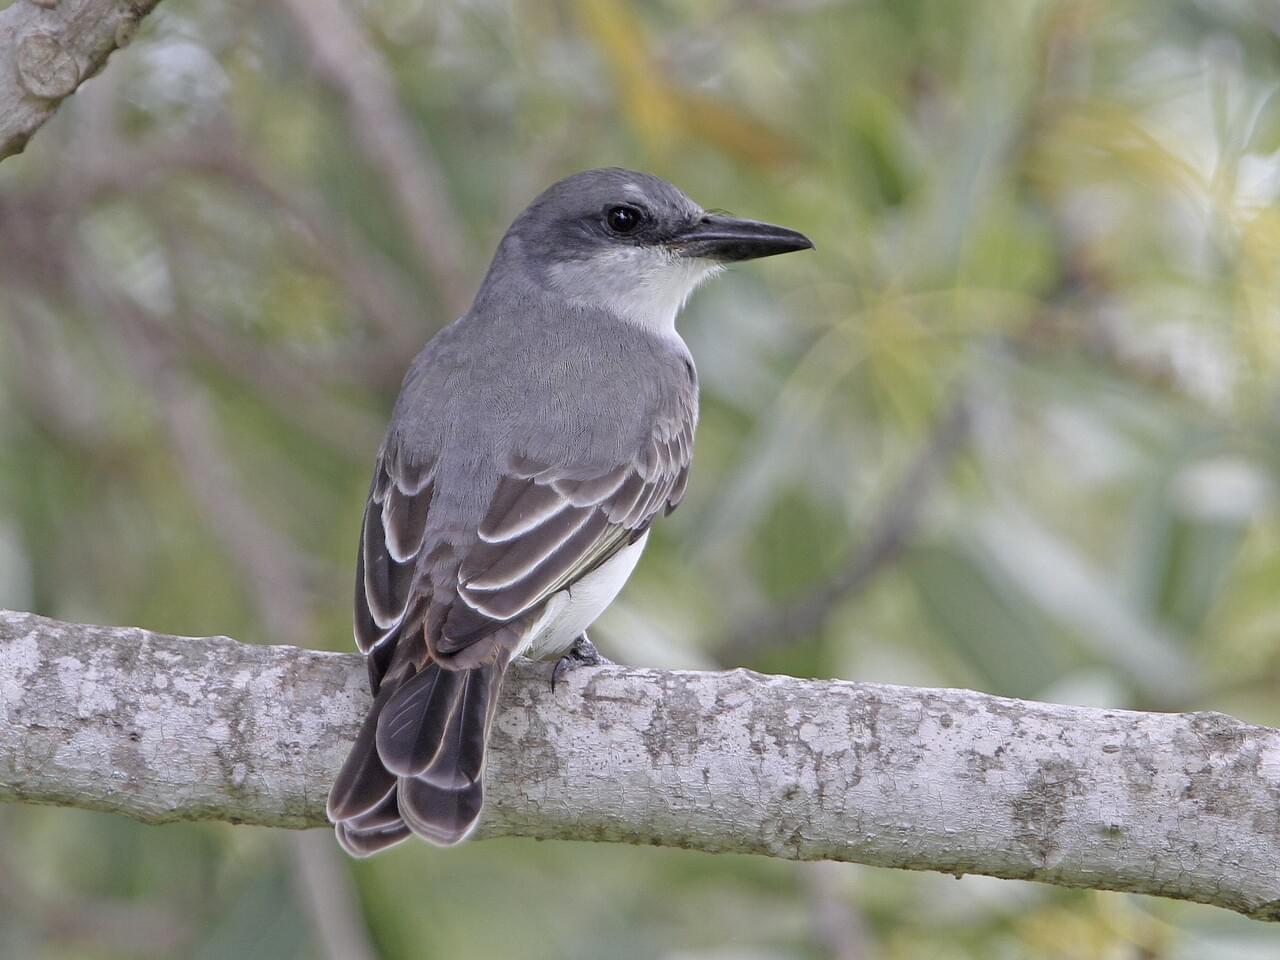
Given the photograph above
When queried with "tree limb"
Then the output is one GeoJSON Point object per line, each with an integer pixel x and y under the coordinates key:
{"type": "Point", "coordinates": [47, 49]}
{"type": "Point", "coordinates": [167, 728]}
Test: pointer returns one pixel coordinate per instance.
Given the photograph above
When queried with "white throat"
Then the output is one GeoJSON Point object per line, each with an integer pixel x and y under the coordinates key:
{"type": "Point", "coordinates": [646, 286]}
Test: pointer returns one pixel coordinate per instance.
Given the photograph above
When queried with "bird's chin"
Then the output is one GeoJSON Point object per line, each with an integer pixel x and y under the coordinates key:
{"type": "Point", "coordinates": [646, 286]}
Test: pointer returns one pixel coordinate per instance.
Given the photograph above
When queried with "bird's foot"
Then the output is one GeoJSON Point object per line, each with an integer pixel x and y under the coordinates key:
{"type": "Point", "coordinates": [583, 653]}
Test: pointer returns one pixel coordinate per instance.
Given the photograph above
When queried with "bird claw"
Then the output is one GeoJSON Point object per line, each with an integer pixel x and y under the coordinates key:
{"type": "Point", "coordinates": [583, 653]}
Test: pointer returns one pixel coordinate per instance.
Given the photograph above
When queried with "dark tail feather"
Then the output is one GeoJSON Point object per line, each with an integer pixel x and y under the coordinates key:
{"type": "Point", "coordinates": [418, 761]}
{"type": "Point", "coordinates": [442, 816]}
{"type": "Point", "coordinates": [374, 830]}
{"type": "Point", "coordinates": [366, 844]}
{"type": "Point", "coordinates": [363, 782]}
{"type": "Point", "coordinates": [442, 802]}
{"type": "Point", "coordinates": [385, 814]}
{"type": "Point", "coordinates": [410, 725]}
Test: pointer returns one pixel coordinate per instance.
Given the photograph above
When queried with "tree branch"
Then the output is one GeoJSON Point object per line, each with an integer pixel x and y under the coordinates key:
{"type": "Point", "coordinates": [168, 728]}
{"type": "Point", "coordinates": [47, 49]}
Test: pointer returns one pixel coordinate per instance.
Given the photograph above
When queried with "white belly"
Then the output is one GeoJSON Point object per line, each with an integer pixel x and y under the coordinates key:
{"type": "Point", "coordinates": [569, 612]}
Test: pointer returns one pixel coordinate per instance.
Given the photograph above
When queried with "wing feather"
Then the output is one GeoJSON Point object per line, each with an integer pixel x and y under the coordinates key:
{"type": "Point", "coordinates": [519, 505]}
{"type": "Point", "coordinates": [404, 520]}
{"type": "Point", "coordinates": [386, 580]}
{"type": "Point", "coordinates": [547, 526]}
{"type": "Point", "coordinates": [388, 598]}
{"type": "Point", "coordinates": [504, 564]}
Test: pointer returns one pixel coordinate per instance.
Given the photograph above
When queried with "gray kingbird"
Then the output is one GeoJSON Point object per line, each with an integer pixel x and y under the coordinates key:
{"type": "Point", "coordinates": [534, 441]}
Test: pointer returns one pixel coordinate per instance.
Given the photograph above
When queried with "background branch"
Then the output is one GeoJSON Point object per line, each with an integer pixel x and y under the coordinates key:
{"type": "Point", "coordinates": [890, 535]}
{"type": "Point", "coordinates": [47, 49]}
{"type": "Point", "coordinates": [166, 728]}
{"type": "Point", "coordinates": [350, 64]}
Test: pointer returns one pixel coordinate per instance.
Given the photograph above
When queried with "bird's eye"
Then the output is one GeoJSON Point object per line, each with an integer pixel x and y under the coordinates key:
{"type": "Point", "coordinates": [623, 219]}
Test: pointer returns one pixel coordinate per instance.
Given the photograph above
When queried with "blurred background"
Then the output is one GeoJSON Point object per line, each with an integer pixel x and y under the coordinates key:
{"type": "Point", "coordinates": [1015, 425]}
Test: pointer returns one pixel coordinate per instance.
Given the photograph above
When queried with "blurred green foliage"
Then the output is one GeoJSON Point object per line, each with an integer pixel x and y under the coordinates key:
{"type": "Point", "coordinates": [1058, 217]}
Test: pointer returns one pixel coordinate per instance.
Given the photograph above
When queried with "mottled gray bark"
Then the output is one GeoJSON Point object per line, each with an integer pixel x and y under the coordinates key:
{"type": "Point", "coordinates": [170, 728]}
{"type": "Point", "coordinates": [47, 49]}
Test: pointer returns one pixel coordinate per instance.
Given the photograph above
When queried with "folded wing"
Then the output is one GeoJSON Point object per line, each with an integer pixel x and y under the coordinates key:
{"type": "Point", "coordinates": [547, 526]}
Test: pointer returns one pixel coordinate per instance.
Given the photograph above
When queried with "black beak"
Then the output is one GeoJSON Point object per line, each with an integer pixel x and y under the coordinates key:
{"type": "Point", "coordinates": [718, 237]}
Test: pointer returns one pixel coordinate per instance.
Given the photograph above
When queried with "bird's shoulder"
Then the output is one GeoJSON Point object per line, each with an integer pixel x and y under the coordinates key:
{"type": "Point", "coordinates": [563, 385]}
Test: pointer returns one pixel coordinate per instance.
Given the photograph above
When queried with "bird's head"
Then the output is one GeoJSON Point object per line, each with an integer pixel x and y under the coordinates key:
{"type": "Point", "coordinates": [632, 244]}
